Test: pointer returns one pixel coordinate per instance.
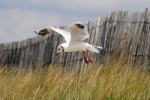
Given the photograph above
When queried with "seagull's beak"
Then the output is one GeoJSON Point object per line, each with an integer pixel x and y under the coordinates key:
{"type": "Point", "coordinates": [57, 54]}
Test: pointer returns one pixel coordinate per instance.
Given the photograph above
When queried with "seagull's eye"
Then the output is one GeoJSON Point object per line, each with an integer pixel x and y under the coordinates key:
{"type": "Point", "coordinates": [58, 49]}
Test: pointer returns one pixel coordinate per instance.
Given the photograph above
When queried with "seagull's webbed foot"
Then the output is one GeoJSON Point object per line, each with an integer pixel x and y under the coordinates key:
{"type": "Point", "coordinates": [86, 57]}
{"type": "Point", "coordinates": [86, 60]}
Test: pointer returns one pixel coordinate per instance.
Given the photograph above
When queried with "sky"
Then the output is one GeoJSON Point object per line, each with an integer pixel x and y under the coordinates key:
{"type": "Point", "coordinates": [20, 18]}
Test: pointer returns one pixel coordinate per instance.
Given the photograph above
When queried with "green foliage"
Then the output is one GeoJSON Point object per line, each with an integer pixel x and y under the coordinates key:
{"type": "Point", "coordinates": [113, 80]}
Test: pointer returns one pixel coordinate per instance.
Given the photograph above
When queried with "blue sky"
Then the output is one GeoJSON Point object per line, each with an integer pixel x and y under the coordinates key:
{"type": "Point", "coordinates": [20, 18]}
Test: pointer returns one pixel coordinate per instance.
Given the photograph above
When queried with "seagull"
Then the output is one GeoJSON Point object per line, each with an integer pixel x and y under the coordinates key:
{"type": "Point", "coordinates": [74, 36]}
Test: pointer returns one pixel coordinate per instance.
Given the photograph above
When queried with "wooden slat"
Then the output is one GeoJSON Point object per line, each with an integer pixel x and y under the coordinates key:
{"type": "Point", "coordinates": [113, 34]}
{"type": "Point", "coordinates": [134, 28]}
{"type": "Point", "coordinates": [124, 32]}
{"type": "Point", "coordinates": [148, 45]}
{"type": "Point", "coordinates": [112, 29]}
{"type": "Point", "coordinates": [107, 30]}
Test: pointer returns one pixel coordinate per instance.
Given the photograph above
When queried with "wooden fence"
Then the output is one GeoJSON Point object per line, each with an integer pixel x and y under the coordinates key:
{"type": "Point", "coordinates": [114, 32]}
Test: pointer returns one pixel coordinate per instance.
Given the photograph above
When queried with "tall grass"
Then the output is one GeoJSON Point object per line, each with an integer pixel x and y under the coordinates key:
{"type": "Point", "coordinates": [113, 80]}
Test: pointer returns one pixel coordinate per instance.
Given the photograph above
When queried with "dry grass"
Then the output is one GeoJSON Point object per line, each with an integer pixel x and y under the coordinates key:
{"type": "Point", "coordinates": [111, 81]}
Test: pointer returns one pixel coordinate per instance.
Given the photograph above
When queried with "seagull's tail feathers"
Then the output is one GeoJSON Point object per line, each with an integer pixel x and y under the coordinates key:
{"type": "Point", "coordinates": [98, 47]}
{"type": "Point", "coordinates": [93, 48]}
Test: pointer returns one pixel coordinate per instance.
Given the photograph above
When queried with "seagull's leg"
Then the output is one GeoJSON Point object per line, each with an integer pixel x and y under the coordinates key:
{"type": "Point", "coordinates": [89, 59]}
{"type": "Point", "coordinates": [85, 57]}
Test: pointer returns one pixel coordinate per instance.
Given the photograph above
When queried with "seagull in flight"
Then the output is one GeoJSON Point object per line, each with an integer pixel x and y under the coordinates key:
{"type": "Point", "coordinates": [74, 36]}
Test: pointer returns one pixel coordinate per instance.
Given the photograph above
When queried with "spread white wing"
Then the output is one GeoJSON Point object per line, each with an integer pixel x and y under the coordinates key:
{"type": "Point", "coordinates": [78, 31]}
{"type": "Point", "coordinates": [49, 30]}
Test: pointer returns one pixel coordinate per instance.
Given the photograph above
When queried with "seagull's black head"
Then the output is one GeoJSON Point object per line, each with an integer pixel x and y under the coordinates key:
{"type": "Point", "coordinates": [80, 25]}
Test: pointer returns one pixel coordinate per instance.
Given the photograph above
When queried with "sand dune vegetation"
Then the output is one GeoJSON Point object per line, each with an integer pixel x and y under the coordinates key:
{"type": "Point", "coordinates": [113, 80]}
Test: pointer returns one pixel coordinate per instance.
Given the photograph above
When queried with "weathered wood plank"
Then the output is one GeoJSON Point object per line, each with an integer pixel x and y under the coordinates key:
{"type": "Point", "coordinates": [124, 32]}
{"type": "Point", "coordinates": [135, 34]}
{"type": "Point", "coordinates": [148, 45]}
{"type": "Point", "coordinates": [141, 37]}
{"type": "Point", "coordinates": [114, 30]}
